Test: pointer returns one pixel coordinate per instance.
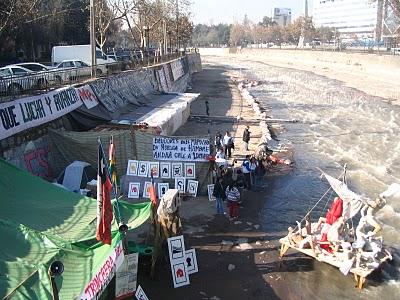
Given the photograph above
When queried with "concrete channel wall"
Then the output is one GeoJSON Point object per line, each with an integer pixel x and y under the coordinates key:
{"type": "Point", "coordinates": [30, 148]}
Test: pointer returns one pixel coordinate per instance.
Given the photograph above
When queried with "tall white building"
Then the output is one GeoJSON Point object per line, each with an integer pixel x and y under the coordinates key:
{"type": "Point", "coordinates": [352, 18]}
{"type": "Point", "coordinates": [282, 16]}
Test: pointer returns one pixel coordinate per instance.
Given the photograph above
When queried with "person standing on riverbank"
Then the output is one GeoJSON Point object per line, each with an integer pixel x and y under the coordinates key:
{"type": "Point", "coordinates": [228, 144]}
{"type": "Point", "coordinates": [207, 109]}
{"type": "Point", "coordinates": [246, 138]}
{"type": "Point", "coordinates": [246, 172]}
{"type": "Point", "coordinates": [233, 196]}
{"type": "Point", "coordinates": [218, 141]}
{"type": "Point", "coordinates": [220, 195]}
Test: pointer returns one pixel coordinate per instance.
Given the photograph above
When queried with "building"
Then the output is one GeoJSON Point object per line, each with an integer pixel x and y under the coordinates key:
{"type": "Point", "coordinates": [353, 19]}
{"type": "Point", "coordinates": [282, 16]}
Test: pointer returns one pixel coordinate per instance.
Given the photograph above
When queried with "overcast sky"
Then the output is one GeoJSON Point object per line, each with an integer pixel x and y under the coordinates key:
{"type": "Point", "coordinates": [229, 11]}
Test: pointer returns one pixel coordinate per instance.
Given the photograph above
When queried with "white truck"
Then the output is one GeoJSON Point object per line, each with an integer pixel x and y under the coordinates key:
{"type": "Point", "coordinates": [81, 52]}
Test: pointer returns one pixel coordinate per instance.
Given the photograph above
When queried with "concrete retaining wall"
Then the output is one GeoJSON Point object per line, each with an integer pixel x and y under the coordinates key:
{"type": "Point", "coordinates": [30, 149]}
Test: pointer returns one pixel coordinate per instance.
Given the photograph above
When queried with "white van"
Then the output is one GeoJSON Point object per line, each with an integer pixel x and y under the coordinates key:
{"type": "Point", "coordinates": [80, 52]}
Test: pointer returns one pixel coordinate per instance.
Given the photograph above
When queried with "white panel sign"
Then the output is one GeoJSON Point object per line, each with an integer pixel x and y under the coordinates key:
{"type": "Point", "coordinates": [175, 149]}
{"type": "Point", "coordinates": [126, 276]}
{"type": "Point", "coordinates": [29, 112]}
{"type": "Point", "coordinates": [177, 257]}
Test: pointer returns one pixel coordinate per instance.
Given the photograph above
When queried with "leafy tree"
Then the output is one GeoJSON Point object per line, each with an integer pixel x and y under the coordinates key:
{"type": "Point", "coordinates": [267, 22]}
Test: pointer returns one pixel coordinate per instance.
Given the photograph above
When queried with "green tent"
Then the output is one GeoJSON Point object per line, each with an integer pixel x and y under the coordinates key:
{"type": "Point", "coordinates": [41, 223]}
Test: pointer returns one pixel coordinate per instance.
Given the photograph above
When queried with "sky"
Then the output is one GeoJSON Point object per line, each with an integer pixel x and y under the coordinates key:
{"type": "Point", "coordinates": [229, 11]}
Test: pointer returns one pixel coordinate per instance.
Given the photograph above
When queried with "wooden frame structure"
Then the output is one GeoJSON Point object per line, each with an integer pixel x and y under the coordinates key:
{"type": "Point", "coordinates": [359, 273]}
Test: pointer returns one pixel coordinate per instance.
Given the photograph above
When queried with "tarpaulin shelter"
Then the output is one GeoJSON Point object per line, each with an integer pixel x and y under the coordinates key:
{"type": "Point", "coordinates": [41, 223]}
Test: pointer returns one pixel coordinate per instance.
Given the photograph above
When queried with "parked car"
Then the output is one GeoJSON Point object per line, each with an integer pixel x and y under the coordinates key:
{"type": "Point", "coordinates": [49, 73]}
{"type": "Point", "coordinates": [74, 68]}
{"type": "Point", "coordinates": [16, 79]}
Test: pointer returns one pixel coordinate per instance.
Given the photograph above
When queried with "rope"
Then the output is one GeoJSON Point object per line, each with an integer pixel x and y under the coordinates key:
{"type": "Point", "coordinates": [330, 196]}
{"type": "Point", "coordinates": [310, 210]}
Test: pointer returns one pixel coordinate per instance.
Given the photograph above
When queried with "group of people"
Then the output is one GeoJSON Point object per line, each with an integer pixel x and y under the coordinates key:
{"type": "Point", "coordinates": [229, 178]}
{"type": "Point", "coordinates": [227, 142]}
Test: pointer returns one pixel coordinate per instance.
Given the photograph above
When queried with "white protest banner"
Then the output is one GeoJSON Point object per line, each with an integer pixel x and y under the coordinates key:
{"type": "Point", "coordinates": [177, 257]}
{"type": "Point", "coordinates": [25, 113]}
{"type": "Point", "coordinates": [103, 276]}
{"type": "Point", "coordinates": [140, 295]}
{"type": "Point", "coordinates": [177, 149]}
{"type": "Point", "coordinates": [126, 276]}
{"type": "Point", "coordinates": [87, 95]}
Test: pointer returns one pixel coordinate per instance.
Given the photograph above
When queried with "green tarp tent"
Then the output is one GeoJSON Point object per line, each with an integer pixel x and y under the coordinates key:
{"type": "Point", "coordinates": [41, 223]}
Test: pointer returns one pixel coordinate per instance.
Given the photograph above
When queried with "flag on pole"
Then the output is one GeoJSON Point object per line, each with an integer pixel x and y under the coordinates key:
{"type": "Point", "coordinates": [104, 209]}
{"type": "Point", "coordinates": [152, 192]}
{"type": "Point", "coordinates": [112, 163]}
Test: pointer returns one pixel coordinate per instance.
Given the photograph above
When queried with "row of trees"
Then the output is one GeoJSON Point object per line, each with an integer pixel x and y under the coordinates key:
{"type": "Point", "coordinates": [31, 27]}
{"type": "Point", "coordinates": [266, 31]}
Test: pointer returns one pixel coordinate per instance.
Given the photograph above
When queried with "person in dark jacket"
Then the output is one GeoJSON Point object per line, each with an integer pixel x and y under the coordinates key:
{"type": "Point", "coordinates": [246, 138]}
{"type": "Point", "coordinates": [219, 194]}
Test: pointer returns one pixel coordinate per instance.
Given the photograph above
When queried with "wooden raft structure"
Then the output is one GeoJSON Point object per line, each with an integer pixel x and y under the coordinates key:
{"type": "Point", "coordinates": [359, 273]}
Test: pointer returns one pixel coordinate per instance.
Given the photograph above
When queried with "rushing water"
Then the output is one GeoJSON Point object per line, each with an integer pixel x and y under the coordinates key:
{"type": "Point", "coordinates": [337, 125]}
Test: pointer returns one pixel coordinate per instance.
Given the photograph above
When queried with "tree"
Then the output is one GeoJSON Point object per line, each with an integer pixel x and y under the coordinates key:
{"type": "Point", "coordinates": [325, 34]}
{"type": "Point", "coordinates": [107, 16]}
{"type": "Point", "coordinates": [267, 22]}
{"type": "Point", "coordinates": [237, 34]}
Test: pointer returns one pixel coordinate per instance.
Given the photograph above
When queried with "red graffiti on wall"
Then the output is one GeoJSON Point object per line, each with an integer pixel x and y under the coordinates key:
{"type": "Point", "coordinates": [37, 163]}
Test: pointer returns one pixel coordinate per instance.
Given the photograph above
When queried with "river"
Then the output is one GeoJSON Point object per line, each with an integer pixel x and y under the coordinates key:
{"type": "Point", "coordinates": [337, 125]}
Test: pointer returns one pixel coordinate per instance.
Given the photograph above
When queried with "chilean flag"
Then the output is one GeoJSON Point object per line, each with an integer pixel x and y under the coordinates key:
{"type": "Point", "coordinates": [104, 209]}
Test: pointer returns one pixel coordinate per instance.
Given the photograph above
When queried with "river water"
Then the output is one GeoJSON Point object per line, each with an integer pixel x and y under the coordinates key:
{"type": "Point", "coordinates": [337, 125]}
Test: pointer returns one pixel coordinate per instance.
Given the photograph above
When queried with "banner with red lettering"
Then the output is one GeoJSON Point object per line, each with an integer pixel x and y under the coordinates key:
{"type": "Point", "coordinates": [87, 95]}
{"type": "Point", "coordinates": [104, 274]}
{"type": "Point", "coordinates": [25, 113]}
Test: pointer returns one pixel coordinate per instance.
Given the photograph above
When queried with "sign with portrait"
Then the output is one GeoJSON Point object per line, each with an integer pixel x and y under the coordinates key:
{"type": "Point", "coordinates": [162, 188]}
{"type": "Point", "coordinates": [190, 170]}
{"type": "Point", "coordinates": [192, 186]}
{"type": "Point", "coordinates": [143, 168]}
{"type": "Point", "coordinates": [132, 168]}
{"type": "Point", "coordinates": [180, 184]}
{"type": "Point", "coordinates": [133, 191]}
{"type": "Point", "coordinates": [165, 169]}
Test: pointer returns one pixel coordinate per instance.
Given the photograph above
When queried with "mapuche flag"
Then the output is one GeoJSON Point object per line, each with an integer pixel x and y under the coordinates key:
{"type": "Point", "coordinates": [104, 209]}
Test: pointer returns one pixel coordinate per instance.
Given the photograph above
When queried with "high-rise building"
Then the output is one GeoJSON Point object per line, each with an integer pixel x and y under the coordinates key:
{"type": "Point", "coordinates": [352, 18]}
{"type": "Point", "coordinates": [282, 16]}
